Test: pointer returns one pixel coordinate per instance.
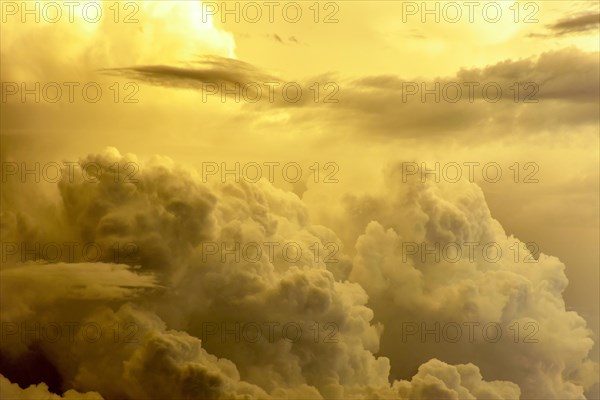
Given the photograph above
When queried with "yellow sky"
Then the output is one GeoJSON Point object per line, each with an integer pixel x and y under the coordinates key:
{"type": "Point", "coordinates": [365, 132]}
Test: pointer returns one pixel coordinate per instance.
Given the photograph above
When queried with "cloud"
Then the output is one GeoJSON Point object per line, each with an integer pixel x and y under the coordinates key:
{"type": "Point", "coordinates": [168, 214]}
{"type": "Point", "coordinates": [12, 391]}
{"type": "Point", "coordinates": [558, 88]}
{"type": "Point", "coordinates": [178, 305]}
{"type": "Point", "coordinates": [143, 33]}
{"type": "Point", "coordinates": [218, 71]}
{"type": "Point", "coordinates": [438, 380]}
{"type": "Point", "coordinates": [414, 288]}
{"type": "Point", "coordinates": [534, 95]}
{"type": "Point", "coordinates": [576, 24]}
{"type": "Point", "coordinates": [233, 79]}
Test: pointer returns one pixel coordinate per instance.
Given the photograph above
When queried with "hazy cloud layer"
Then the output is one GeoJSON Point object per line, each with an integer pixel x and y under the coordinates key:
{"type": "Point", "coordinates": [532, 95]}
{"type": "Point", "coordinates": [554, 89]}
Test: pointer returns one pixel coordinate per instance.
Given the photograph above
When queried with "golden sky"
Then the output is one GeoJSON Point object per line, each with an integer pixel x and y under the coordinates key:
{"type": "Point", "coordinates": [161, 67]}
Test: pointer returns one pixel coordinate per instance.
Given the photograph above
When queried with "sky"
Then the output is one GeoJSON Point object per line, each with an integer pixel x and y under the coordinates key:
{"type": "Point", "coordinates": [412, 187]}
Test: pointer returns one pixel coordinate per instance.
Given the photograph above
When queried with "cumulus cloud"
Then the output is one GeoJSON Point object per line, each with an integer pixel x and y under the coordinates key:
{"type": "Point", "coordinates": [176, 305]}
{"type": "Point", "coordinates": [412, 290]}
{"type": "Point", "coordinates": [438, 380]}
{"type": "Point", "coordinates": [12, 391]}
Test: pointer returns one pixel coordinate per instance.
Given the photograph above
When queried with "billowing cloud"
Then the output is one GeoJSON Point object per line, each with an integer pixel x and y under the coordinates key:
{"type": "Point", "coordinates": [134, 278]}
{"type": "Point", "coordinates": [183, 320]}
{"type": "Point", "coordinates": [12, 391]}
